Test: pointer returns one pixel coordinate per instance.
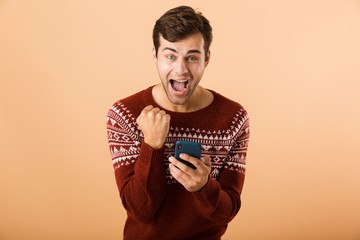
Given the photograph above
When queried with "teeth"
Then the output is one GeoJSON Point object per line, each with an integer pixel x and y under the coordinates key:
{"type": "Point", "coordinates": [180, 80]}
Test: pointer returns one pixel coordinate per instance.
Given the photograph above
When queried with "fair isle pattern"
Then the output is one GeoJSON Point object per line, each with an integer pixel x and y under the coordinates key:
{"type": "Point", "coordinates": [226, 147]}
{"type": "Point", "coordinates": [123, 136]}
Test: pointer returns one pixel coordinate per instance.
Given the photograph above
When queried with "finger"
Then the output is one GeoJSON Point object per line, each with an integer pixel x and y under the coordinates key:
{"type": "Point", "coordinates": [195, 161]}
{"type": "Point", "coordinates": [148, 108]}
{"type": "Point", "coordinates": [167, 118]}
{"type": "Point", "coordinates": [155, 110]}
{"type": "Point", "coordinates": [183, 167]}
{"type": "Point", "coordinates": [163, 116]}
{"type": "Point", "coordinates": [206, 160]}
{"type": "Point", "coordinates": [152, 113]}
{"type": "Point", "coordinates": [162, 112]}
{"type": "Point", "coordinates": [179, 175]}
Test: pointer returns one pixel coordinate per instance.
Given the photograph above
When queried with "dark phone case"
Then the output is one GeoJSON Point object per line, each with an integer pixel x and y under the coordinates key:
{"type": "Point", "coordinates": [191, 148]}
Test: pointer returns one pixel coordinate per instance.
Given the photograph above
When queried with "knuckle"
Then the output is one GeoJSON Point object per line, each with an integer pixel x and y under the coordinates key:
{"type": "Point", "coordinates": [147, 108]}
{"type": "Point", "coordinates": [180, 174]}
{"type": "Point", "coordinates": [176, 174]}
{"type": "Point", "coordinates": [200, 171]}
{"type": "Point", "coordinates": [151, 114]}
{"type": "Point", "coordinates": [173, 160]}
{"type": "Point", "coordinates": [185, 168]}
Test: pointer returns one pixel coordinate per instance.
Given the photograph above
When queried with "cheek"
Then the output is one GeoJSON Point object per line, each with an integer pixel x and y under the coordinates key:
{"type": "Point", "coordinates": [164, 67]}
{"type": "Point", "coordinates": [197, 70]}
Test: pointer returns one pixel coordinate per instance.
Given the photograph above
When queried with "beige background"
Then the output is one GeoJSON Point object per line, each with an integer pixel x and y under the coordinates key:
{"type": "Point", "coordinates": [294, 65]}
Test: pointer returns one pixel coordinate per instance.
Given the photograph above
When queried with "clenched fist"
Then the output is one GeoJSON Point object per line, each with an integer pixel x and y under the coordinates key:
{"type": "Point", "coordinates": [154, 124]}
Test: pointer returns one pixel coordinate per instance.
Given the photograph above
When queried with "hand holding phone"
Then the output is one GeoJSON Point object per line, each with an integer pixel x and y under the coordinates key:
{"type": "Point", "coordinates": [191, 148]}
{"type": "Point", "coordinates": [194, 180]}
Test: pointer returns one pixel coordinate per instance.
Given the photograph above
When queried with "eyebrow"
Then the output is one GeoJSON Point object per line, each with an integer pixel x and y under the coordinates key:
{"type": "Point", "coordinates": [190, 51]}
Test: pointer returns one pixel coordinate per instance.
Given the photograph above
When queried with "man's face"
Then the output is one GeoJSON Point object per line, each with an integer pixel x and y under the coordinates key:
{"type": "Point", "coordinates": [180, 66]}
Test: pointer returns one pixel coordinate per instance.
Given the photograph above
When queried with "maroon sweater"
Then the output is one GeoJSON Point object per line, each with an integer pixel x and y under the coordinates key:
{"type": "Point", "coordinates": [159, 207]}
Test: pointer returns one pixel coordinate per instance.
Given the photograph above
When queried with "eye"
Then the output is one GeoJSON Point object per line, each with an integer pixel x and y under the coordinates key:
{"type": "Point", "coordinates": [171, 57]}
{"type": "Point", "coordinates": [192, 58]}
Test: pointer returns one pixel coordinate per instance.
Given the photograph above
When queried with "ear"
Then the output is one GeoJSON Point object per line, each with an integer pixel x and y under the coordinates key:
{"type": "Point", "coordinates": [154, 55]}
{"type": "Point", "coordinates": [208, 58]}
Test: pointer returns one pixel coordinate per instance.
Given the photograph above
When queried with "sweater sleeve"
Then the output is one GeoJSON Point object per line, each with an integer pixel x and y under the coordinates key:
{"type": "Point", "coordinates": [219, 201]}
{"type": "Point", "coordinates": [139, 169]}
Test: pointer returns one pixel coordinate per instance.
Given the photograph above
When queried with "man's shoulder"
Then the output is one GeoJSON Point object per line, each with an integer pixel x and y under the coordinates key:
{"type": "Point", "coordinates": [228, 105]}
{"type": "Point", "coordinates": [232, 113]}
{"type": "Point", "coordinates": [131, 104]}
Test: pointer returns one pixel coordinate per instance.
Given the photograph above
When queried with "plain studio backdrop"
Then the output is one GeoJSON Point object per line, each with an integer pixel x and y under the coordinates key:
{"type": "Point", "coordinates": [293, 65]}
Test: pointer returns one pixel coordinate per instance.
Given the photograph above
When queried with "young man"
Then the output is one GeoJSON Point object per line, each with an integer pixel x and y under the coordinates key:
{"type": "Point", "coordinates": [164, 198]}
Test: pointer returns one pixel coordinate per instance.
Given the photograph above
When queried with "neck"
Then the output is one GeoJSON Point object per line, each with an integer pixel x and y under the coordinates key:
{"type": "Point", "coordinates": [198, 100]}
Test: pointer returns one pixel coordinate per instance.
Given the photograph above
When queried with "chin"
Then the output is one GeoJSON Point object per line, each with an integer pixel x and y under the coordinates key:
{"type": "Point", "coordinates": [176, 101]}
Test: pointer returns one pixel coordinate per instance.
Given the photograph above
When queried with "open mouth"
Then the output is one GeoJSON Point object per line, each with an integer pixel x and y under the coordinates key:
{"type": "Point", "coordinates": [179, 85]}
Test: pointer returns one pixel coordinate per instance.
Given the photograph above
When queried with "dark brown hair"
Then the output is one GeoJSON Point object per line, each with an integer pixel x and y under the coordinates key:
{"type": "Point", "coordinates": [180, 22]}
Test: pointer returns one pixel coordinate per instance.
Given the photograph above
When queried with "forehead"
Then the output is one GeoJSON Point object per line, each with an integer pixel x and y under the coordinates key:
{"type": "Point", "coordinates": [191, 42]}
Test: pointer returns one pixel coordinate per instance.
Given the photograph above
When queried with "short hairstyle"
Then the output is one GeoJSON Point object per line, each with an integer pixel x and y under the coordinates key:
{"type": "Point", "coordinates": [180, 22]}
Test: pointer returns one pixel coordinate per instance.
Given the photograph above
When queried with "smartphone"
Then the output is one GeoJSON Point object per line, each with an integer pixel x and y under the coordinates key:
{"type": "Point", "coordinates": [191, 148]}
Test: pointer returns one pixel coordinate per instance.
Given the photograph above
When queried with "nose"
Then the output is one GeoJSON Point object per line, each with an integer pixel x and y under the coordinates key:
{"type": "Point", "coordinates": [181, 66]}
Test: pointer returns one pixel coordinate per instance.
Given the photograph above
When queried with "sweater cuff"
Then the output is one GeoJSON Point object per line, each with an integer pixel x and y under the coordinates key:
{"type": "Point", "coordinates": [208, 190]}
{"type": "Point", "coordinates": [150, 156]}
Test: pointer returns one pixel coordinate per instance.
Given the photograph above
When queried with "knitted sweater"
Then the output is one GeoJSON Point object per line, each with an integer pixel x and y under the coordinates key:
{"type": "Point", "coordinates": [159, 207]}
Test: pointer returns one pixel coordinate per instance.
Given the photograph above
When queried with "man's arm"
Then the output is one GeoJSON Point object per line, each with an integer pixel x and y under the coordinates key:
{"type": "Point", "coordinates": [139, 167]}
{"type": "Point", "coordinates": [216, 200]}
{"type": "Point", "coordinates": [219, 200]}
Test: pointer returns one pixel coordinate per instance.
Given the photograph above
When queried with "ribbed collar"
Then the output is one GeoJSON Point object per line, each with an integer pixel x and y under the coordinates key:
{"type": "Point", "coordinates": [149, 100]}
